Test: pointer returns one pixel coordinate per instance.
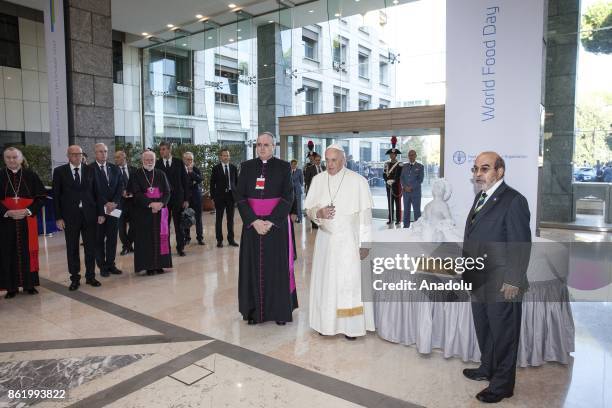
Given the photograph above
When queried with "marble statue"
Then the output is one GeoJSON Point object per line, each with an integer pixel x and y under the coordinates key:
{"type": "Point", "coordinates": [436, 223]}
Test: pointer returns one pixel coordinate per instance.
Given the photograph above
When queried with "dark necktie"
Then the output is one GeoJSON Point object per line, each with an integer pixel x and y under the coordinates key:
{"type": "Point", "coordinates": [125, 177]}
{"type": "Point", "coordinates": [167, 163]}
{"type": "Point", "coordinates": [103, 169]}
{"type": "Point", "coordinates": [77, 178]}
{"type": "Point", "coordinates": [227, 179]}
{"type": "Point", "coordinates": [479, 204]}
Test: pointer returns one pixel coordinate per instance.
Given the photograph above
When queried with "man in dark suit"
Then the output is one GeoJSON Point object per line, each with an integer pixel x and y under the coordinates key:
{"type": "Point", "coordinates": [297, 178]}
{"type": "Point", "coordinates": [127, 200]}
{"type": "Point", "coordinates": [223, 180]}
{"type": "Point", "coordinates": [179, 185]}
{"type": "Point", "coordinates": [497, 230]}
{"type": "Point", "coordinates": [109, 185]}
{"type": "Point", "coordinates": [195, 200]}
{"type": "Point", "coordinates": [309, 172]}
{"type": "Point", "coordinates": [77, 210]}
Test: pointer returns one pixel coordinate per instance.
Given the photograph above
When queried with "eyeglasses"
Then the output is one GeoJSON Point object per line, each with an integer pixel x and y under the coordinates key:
{"type": "Point", "coordinates": [483, 169]}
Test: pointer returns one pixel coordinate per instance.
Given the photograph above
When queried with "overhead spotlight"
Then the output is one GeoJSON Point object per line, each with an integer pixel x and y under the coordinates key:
{"type": "Point", "coordinates": [239, 29]}
{"type": "Point", "coordinates": [210, 38]}
{"type": "Point", "coordinates": [395, 1]}
{"type": "Point", "coordinates": [270, 21]}
{"type": "Point", "coordinates": [231, 40]}
{"type": "Point", "coordinates": [169, 25]}
{"type": "Point", "coordinates": [337, 15]}
{"type": "Point", "coordinates": [145, 34]}
{"type": "Point", "coordinates": [240, 38]}
{"type": "Point", "coordinates": [311, 11]}
{"type": "Point", "coordinates": [184, 45]}
{"type": "Point", "coordinates": [231, 5]}
{"type": "Point", "coordinates": [199, 16]}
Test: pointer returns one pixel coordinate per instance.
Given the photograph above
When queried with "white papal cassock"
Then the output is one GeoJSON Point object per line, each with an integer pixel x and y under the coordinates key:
{"type": "Point", "coordinates": [335, 287]}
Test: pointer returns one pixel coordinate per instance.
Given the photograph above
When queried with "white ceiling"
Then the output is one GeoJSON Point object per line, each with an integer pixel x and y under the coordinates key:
{"type": "Point", "coordinates": [152, 16]}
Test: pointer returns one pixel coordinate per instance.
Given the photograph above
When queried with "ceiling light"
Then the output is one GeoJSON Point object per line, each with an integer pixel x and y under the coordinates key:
{"type": "Point", "coordinates": [231, 5]}
{"type": "Point", "coordinates": [145, 34]}
{"type": "Point", "coordinates": [356, 1]}
{"type": "Point", "coordinates": [210, 38]}
{"type": "Point", "coordinates": [239, 30]}
{"type": "Point", "coordinates": [311, 11]}
{"type": "Point", "coordinates": [231, 40]}
{"type": "Point", "coordinates": [240, 38]}
{"type": "Point", "coordinates": [270, 21]}
{"type": "Point", "coordinates": [199, 16]}
{"type": "Point", "coordinates": [395, 1]}
{"type": "Point", "coordinates": [169, 25]}
{"type": "Point", "coordinates": [184, 45]}
{"type": "Point", "coordinates": [337, 14]}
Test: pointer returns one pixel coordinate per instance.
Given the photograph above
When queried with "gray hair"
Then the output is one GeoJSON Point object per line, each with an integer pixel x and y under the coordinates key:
{"type": "Point", "coordinates": [188, 154]}
{"type": "Point", "coordinates": [13, 149]}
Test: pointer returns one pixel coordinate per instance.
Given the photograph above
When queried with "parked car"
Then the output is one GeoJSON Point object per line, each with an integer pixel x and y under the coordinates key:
{"type": "Point", "coordinates": [585, 174]}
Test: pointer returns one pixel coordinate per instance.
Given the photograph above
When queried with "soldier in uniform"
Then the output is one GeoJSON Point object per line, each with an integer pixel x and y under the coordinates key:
{"type": "Point", "coordinates": [391, 175]}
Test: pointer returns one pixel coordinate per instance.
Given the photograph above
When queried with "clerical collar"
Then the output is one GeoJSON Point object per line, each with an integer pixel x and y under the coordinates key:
{"type": "Point", "coordinates": [14, 171]}
{"type": "Point", "coordinates": [338, 173]}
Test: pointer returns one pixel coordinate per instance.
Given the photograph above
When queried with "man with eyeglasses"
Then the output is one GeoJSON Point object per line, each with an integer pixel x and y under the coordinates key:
{"type": "Point", "coordinates": [264, 194]}
{"type": "Point", "coordinates": [497, 230]}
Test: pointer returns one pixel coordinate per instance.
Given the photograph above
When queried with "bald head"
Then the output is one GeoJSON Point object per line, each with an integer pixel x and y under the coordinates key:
{"type": "Point", "coordinates": [74, 154]}
{"type": "Point", "coordinates": [489, 168]}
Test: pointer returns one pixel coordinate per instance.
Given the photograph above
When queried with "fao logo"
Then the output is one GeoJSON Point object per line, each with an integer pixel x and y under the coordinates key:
{"type": "Point", "coordinates": [459, 157]}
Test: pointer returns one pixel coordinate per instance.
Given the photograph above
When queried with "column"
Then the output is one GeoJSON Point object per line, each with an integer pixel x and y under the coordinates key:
{"type": "Point", "coordinates": [560, 102]}
{"type": "Point", "coordinates": [89, 49]}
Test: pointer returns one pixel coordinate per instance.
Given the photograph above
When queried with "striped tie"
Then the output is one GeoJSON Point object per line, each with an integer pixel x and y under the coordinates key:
{"type": "Point", "coordinates": [479, 204]}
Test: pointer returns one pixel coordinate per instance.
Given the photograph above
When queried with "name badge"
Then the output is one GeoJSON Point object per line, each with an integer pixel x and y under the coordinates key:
{"type": "Point", "coordinates": [260, 183]}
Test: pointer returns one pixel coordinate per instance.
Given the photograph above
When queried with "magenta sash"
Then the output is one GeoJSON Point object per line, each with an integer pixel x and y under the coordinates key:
{"type": "Point", "coordinates": [264, 207]}
{"type": "Point", "coordinates": [164, 233]}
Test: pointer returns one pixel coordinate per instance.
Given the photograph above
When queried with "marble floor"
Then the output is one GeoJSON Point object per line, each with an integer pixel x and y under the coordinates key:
{"type": "Point", "coordinates": [177, 340]}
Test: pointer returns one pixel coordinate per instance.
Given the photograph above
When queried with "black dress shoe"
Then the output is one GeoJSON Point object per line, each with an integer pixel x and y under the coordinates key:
{"type": "Point", "coordinates": [201, 242]}
{"type": "Point", "coordinates": [32, 291]}
{"type": "Point", "coordinates": [490, 397]}
{"type": "Point", "coordinates": [233, 243]}
{"type": "Point", "coordinates": [251, 322]}
{"type": "Point", "coordinates": [181, 252]}
{"type": "Point", "coordinates": [74, 286]}
{"type": "Point", "coordinates": [280, 323]}
{"type": "Point", "coordinates": [93, 282]}
{"type": "Point", "coordinates": [115, 271]}
{"type": "Point", "coordinates": [10, 295]}
{"type": "Point", "coordinates": [398, 223]}
{"type": "Point", "coordinates": [105, 274]}
{"type": "Point", "coordinates": [219, 244]}
{"type": "Point", "coordinates": [349, 338]}
{"type": "Point", "coordinates": [475, 374]}
{"type": "Point", "coordinates": [389, 222]}
{"type": "Point", "coordinates": [150, 272]}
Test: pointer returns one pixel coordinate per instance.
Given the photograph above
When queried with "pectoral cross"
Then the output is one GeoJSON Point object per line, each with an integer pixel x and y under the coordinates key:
{"type": "Point", "coordinates": [16, 198]}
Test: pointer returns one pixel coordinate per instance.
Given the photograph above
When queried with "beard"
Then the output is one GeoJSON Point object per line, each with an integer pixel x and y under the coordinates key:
{"type": "Point", "coordinates": [148, 167]}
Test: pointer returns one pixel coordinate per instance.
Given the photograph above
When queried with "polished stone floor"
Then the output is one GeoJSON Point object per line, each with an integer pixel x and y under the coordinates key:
{"type": "Point", "coordinates": [177, 340]}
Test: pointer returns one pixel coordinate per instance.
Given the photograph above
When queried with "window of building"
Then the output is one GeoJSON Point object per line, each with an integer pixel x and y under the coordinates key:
{"type": "Point", "coordinates": [346, 146]}
{"type": "Point", "coordinates": [382, 150]}
{"type": "Point", "coordinates": [10, 138]}
{"type": "Point", "coordinates": [364, 62]}
{"type": "Point", "coordinates": [383, 71]}
{"type": "Point", "coordinates": [117, 62]}
{"type": "Point", "coordinates": [228, 77]}
{"type": "Point", "coordinates": [383, 104]}
{"type": "Point", "coordinates": [340, 99]}
{"type": "Point", "coordinates": [340, 53]}
{"type": "Point", "coordinates": [176, 135]}
{"type": "Point", "coordinates": [365, 151]}
{"type": "Point", "coordinates": [364, 102]}
{"type": "Point", "coordinates": [311, 96]}
{"type": "Point", "coordinates": [170, 77]}
{"type": "Point", "coordinates": [10, 56]}
{"type": "Point", "coordinates": [311, 41]}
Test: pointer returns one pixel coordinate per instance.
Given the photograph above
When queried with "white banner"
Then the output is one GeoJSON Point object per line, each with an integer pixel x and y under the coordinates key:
{"type": "Point", "coordinates": [56, 69]}
{"type": "Point", "coordinates": [494, 57]}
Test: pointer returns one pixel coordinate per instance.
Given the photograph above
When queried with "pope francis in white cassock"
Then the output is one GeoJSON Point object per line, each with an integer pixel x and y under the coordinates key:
{"type": "Point", "coordinates": [339, 201]}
